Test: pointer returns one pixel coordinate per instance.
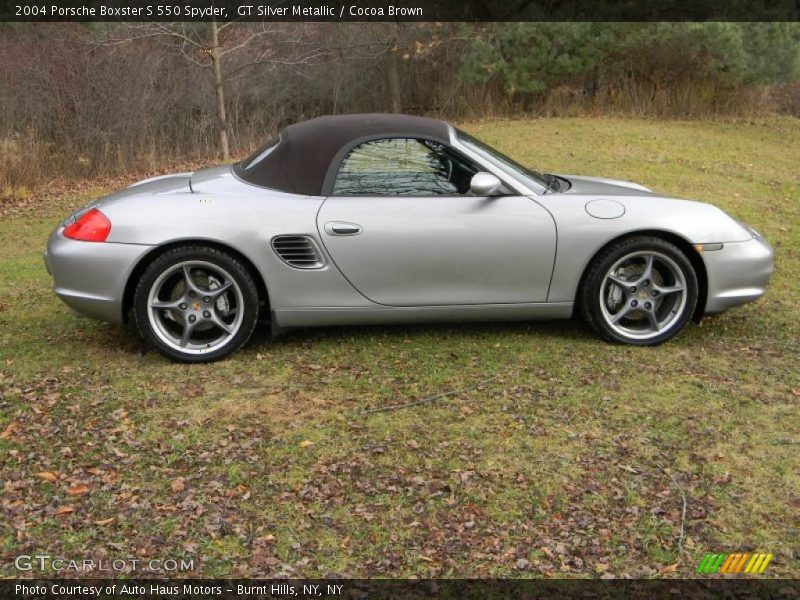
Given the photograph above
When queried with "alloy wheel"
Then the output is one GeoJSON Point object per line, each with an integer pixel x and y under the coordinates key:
{"type": "Point", "coordinates": [643, 295]}
{"type": "Point", "coordinates": [195, 307]}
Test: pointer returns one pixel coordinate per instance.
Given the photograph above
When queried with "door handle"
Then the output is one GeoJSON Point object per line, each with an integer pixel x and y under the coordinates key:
{"type": "Point", "coordinates": [342, 228]}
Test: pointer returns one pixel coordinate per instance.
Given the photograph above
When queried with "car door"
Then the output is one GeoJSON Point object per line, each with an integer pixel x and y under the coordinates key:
{"type": "Point", "coordinates": [403, 228]}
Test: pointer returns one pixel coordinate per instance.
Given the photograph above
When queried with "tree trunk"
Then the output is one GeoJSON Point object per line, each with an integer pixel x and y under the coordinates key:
{"type": "Point", "coordinates": [393, 73]}
{"type": "Point", "coordinates": [394, 82]}
{"type": "Point", "coordinates": [219, 86]}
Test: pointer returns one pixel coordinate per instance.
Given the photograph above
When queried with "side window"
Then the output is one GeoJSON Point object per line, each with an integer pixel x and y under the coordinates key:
{"type": "Point", "coordinates": [403, 167]}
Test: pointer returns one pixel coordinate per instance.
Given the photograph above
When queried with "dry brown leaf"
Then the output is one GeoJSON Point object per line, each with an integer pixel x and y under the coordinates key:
{"type": "Point", "coordinates": [107, 521]}
{"type": "Point", "coordinates": [669, 568]}
{"type": "Point", "coordinates": [306, 443]}
{"type": "Point", "coordinates": [111, 477]}
{"type": "Point", "coordinates": [64, 510]}
{"type": "Point", "coordinates": [178, 485]}
{"type": "Point", "coordinates": [194, 390]}
{"type": "Point", "coordinates": [47, 476]}
{"type": "Point", "coordinates": [78, 489]}
{"type": "Point", "coordinates": [8, 430]}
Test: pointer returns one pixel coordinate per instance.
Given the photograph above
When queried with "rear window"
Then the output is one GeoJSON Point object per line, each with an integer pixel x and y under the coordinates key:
{"type": "Point", "coordinates": [256, 157]}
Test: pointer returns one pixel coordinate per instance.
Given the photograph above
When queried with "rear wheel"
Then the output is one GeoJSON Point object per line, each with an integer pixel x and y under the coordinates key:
{"type": "Point", "coordinates": [196, 304]}
{"type": "Point", "coordinates": [641, 291]}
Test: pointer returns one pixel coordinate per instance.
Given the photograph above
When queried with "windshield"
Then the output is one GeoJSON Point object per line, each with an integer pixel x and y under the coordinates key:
{"type": "Point", "coordinates": [538, 182]}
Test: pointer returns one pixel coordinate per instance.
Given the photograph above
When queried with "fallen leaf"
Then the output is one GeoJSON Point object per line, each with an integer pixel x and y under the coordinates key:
{"type": "Point", "coordinates": [306, 443]}
{"type": "Point", "coordinates": [107, 521]}
{"type": "Point", "coordinates": [178, 485]}
{"type": "Point", "coordinates": [669, 569]}
{"type": "Point", "coordinates": [260, 557]}
{"type": "Point", "coordinates": [48, 476]}
{"type": "Point", "coordinates": [78, 489]}
{"type": "Point", "coordinates": [64, 510]}
{"type": "Point", "coordinates": [194, 390]}
{"type": "Point", "coordinates": [8, 430]}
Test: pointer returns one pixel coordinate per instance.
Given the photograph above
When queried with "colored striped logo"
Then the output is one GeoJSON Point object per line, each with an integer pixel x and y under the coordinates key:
{"type": "Point", "coordinates": [734, 563]}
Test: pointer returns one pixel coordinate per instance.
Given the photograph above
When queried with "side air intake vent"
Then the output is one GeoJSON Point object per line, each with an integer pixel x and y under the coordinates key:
{"type": "Point", "coordinates": [298, 251]}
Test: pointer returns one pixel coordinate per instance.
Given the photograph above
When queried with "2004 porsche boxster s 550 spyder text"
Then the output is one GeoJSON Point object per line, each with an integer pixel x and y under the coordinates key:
{"type": "Point", "coordinates": [390, 218]}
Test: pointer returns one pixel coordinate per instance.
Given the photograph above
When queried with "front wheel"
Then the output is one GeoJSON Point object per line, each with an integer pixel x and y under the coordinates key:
{"type": "Point", "coordinates": [639, 291]}
{"type": "Point", "coordinates": [196, 304]}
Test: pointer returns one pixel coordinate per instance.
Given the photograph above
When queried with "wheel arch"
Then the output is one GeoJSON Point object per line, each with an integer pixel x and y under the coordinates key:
{"type": "Point", "coordinates": [682, 243]}
{"type": "Point", "coordinates": [148, 258]}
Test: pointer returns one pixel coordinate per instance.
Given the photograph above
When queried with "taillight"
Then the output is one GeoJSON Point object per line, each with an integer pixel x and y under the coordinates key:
{"type": "Point", "coordinates": [91, 226]}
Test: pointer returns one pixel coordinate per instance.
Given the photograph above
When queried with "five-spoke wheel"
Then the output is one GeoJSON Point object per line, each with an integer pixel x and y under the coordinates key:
{"type": "Point", "coordinates": [196, 304]}
{"type": "Point", "coordinates": [642, 290]}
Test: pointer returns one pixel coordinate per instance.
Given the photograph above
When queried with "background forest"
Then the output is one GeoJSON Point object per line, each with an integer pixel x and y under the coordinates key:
{"type": "Point", "coordinates": [82, 100]}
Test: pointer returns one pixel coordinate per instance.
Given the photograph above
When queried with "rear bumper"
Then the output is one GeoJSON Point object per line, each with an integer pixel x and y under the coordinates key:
{"type": "Point", "coordinates": [90, 277]}
{"type": "Point", "coordinates": [737, 274]}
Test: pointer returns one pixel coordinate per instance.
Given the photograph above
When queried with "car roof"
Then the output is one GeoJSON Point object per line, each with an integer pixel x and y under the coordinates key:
{"type": "Point", "coordinates": [307, 156]}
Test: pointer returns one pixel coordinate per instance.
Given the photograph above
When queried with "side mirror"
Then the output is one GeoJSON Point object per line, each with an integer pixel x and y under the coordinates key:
{"type": "Point", "coordinates": [485, 184]}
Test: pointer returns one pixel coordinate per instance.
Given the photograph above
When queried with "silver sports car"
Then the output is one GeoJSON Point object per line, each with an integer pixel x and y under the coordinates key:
{"type": "Point", "coordinates": [389, 218]}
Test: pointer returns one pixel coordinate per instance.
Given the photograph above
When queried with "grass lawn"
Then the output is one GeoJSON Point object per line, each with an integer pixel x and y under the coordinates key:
{"type": "Point", "coordinates": [573, 461]}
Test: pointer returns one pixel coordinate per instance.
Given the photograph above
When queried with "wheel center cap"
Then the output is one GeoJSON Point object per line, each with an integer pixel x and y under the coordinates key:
{"type": "Point", "coordinates": [196, 305]}
{"type": "Point", "coordinates": [642, 295]}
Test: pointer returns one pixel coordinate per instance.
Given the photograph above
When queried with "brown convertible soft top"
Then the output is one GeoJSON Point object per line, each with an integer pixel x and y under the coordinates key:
{"type": "Point", "coordinates": [308, 154]}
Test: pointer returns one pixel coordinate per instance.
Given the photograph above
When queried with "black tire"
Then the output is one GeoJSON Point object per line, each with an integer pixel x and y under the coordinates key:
{"type": "Point", "coordinates": [206, 262]}
{"type": "Point", "coordinates": [597, 289]}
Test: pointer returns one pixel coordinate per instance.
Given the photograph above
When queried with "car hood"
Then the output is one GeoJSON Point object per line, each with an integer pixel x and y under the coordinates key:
{"type": "Point", "coordinates": [599, 186]}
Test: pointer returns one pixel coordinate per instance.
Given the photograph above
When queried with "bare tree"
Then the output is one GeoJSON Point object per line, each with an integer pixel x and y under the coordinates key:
{"type": "Point", "coordinates": [227, 50]}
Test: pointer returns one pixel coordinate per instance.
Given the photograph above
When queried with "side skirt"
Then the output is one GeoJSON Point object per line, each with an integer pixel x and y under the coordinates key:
{"type": "Point", "coordinates": [328, 316]}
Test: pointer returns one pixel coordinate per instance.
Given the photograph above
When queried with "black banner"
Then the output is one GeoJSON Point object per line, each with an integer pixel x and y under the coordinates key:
{"type": "Point", "coordinates": [387, 589]}
{"type": "Point", "coordinates": [398, 10]}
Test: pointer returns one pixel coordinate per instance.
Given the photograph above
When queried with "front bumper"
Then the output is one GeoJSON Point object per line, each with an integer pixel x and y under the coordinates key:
{"type": "Point", "coordinates": [737, 274]}
{"type": "Point", "coordinates": [90, 277]}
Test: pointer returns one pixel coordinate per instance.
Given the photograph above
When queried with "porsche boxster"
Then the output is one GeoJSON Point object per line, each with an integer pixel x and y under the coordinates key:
{"type": "Point", "coordinates": [379, 218]}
